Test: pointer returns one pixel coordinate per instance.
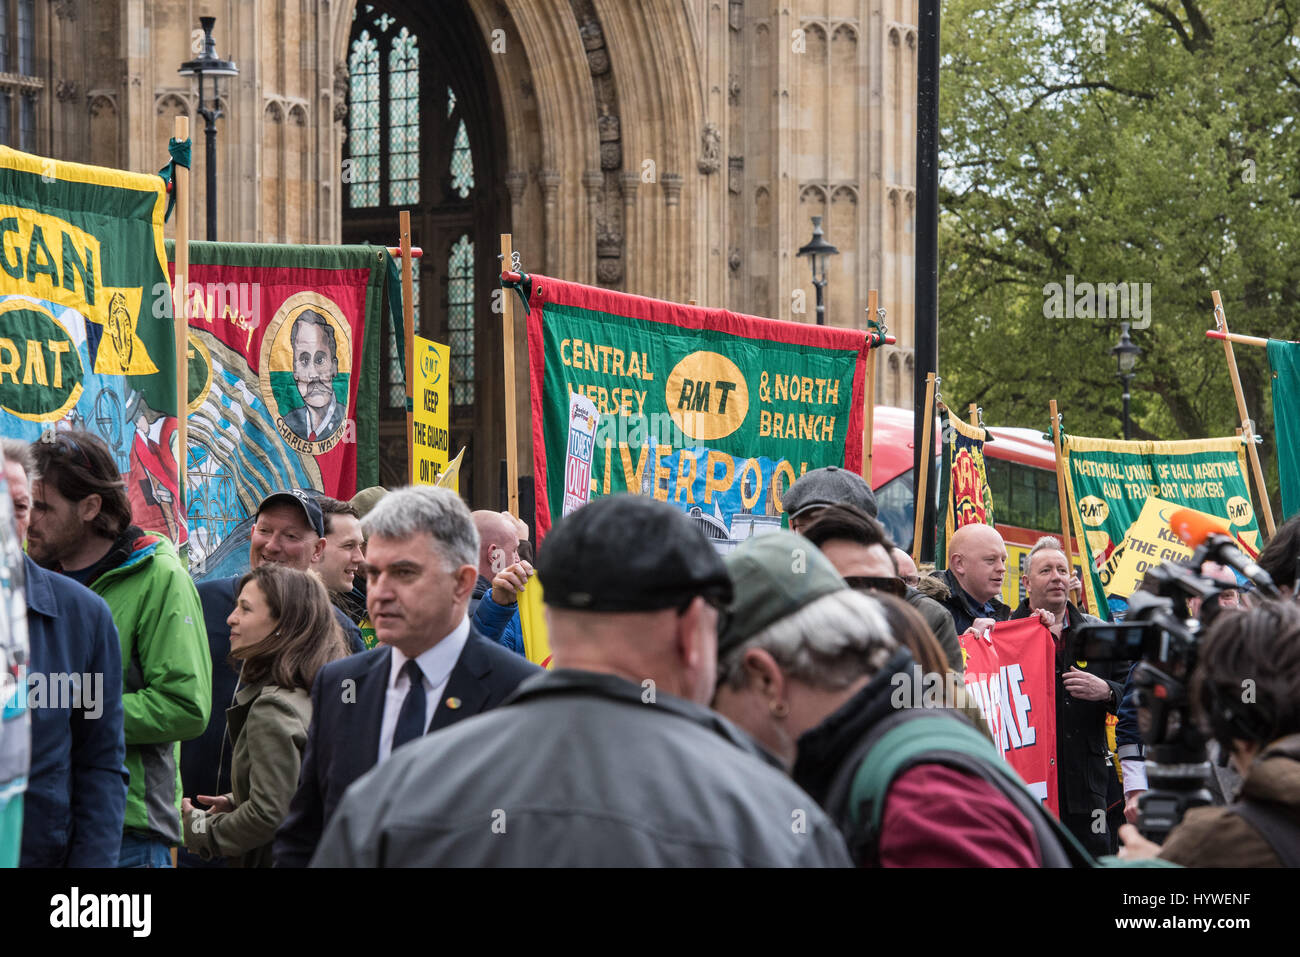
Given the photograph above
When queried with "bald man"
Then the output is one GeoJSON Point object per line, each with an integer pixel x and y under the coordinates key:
{"type": "Point", "coordinates": [494, 606]}
{"type": "Point", "coordinates": [977, 563]}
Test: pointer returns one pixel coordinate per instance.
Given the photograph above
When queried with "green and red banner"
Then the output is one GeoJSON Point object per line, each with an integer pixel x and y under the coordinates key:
{"type": "Point", "coordinates": [964, 494]}
{"type": "Point", "coordinates": [714, 412]}
{"type": "Point", "coordinates": [1011, 674]}
{"type": "Point", "coordinates": [86, 337]}
{"type": "Point", "coordinates": [283, 376]}
{"type": "Point", "coordinates": [1109, 482]}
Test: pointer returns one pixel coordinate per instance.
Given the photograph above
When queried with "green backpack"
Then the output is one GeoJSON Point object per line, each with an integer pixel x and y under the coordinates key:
{"type": "Point", "coordinates": [920, 736]}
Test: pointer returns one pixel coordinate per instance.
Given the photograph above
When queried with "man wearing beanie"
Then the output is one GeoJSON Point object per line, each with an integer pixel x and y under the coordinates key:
{"type": "Point", "coordinates": [810, 669]}
{"type": "Point", "coordinates": [613, 758]}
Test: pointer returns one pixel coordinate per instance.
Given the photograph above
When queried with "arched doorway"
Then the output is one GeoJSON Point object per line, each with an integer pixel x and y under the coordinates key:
{"type": "Point", "coordinates": [425, 134]}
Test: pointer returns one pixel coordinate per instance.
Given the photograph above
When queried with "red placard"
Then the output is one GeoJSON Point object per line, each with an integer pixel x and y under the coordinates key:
{"type": "Point", "coordinates": [1011, 675]}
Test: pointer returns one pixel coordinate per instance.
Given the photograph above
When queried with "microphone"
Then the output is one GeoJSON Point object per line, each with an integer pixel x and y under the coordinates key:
{"type": "Point", "coordinates": [1197, 529]}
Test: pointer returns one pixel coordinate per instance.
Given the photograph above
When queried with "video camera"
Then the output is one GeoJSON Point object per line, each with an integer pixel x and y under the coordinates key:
{"type": "Point", "coordinates": [1163, 638]}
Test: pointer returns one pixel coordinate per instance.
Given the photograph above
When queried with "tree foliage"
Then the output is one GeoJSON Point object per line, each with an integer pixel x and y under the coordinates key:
{"type": "Point", "coordinates": [1117, 141]}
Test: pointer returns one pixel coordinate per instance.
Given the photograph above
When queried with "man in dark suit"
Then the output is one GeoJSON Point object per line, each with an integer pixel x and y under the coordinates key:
{"type": "Point", "coordinates": [430, 670]}
{"type": "Point", "coordinates": [1085, 692]}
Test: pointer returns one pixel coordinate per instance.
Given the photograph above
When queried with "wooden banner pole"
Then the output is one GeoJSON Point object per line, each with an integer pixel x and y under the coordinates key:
{"type": "Point", "coordinates": [869, 394]}
{"type": "Point", "coordinates": [974, 415]}
{"type": "Point", "coordinates": [1062, 499]}
{"type": "Point", "coordinates": [926, 429]}
{"type": "Point", "coordinates": [408, 336]}
{"type": "Point", "coordinates": [1247, 432]}
{"type": "Point", "coordinates": [508, 354]}
{"type": "Point", "coordinates": [181, 319]}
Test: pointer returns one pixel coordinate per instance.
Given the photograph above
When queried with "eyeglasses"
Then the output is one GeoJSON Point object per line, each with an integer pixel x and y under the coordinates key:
{"type": "Point", "coordinates": [890, 586]}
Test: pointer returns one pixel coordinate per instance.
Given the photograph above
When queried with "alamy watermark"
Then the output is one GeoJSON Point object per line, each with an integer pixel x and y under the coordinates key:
{"type": "Point", "coordinates": [1103, 300]}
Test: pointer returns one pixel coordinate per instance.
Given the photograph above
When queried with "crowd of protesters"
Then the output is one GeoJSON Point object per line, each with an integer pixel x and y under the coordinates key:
{"type": "Point", "coordinates": [360, 696]}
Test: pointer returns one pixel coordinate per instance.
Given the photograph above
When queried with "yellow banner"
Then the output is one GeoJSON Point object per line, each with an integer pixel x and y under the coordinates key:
{"type": "Point", "coordinates": [430, 448]}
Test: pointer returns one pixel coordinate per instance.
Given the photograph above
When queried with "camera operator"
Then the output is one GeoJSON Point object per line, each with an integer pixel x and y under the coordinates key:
{"type": "Point", "coordinates": [1247, 691]}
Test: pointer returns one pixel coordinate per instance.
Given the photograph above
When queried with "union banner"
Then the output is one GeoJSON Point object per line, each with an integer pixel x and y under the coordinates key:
{"type": "Point", "coordinates": [85, 330]}
{"type": "Point", "coordinates": [964, 495]}
{"type": "Point", "coordinates": [1109, 483]}
{"type": "Point", "coordinates": [1011, 674]}
{"type": "Point", "coordinates": [713, 412]}
{"type": "Point", "coordinates": [283, 379]}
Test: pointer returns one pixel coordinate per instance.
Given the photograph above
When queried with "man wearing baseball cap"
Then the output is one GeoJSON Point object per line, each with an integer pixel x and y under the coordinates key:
{"type": "Point", "coordinates": [613, 758]}
{"type": "Point", "coordinates": [822, 488]}
{"type": "Point", "coordinates": [288, 529]}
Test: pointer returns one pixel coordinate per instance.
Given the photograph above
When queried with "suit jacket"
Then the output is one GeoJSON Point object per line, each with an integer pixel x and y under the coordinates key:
{"type": "Point", "coordinates": [347, 711]}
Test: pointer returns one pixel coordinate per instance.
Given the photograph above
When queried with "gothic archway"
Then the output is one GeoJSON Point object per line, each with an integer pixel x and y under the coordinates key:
{"type": "Point", "coordinates": [425, 134]}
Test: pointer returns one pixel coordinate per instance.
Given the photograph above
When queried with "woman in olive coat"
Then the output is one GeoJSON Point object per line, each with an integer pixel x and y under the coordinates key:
{"type": "Point", "coordinates": [282, 632]}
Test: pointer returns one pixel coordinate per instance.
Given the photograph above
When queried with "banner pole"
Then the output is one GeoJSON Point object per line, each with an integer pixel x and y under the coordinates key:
{"type": "Point", "coordinates": [1062, 499]}
{"type": "Point", "coordinates": [926, 429]}
{"type": "Point", "coordinates": [869, 394]}
{"type": "Point", "coordinates": [508, 356]}
{"type": "Point", "coordinates": [181, 320]}
{"type": "Point", "coordinates": [974, 415]}
{"type": "Point", "coordinates": [1247, 431]}
{"type": "Point", "coordinates": [408, 337]}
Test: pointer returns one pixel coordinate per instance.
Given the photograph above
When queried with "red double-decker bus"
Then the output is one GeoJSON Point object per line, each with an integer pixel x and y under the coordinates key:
{"type": "Point", "coordinates": [1021, 468]}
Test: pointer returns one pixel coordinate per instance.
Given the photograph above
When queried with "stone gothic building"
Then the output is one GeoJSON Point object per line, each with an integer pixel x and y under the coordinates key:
{"type": "Point", "coordinates": [669, 148]}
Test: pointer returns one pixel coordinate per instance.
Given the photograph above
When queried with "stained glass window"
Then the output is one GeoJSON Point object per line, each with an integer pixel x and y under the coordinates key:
{"type": "Point", "coordinates": [462, 163]}
{"type": "Point", "coordinates": [404, 120]}
{"type": "Point", "coordinates": [460, 320]}
{"type": "Point", "coordinates": [363, 122]}
{"type": "Point", "coordinates": [27, 122]}
{"type": "Point", "coordinates": [26, 37]}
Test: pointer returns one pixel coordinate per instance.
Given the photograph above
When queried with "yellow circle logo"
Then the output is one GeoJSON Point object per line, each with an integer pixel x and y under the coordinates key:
{"type": "Point", "coordinates": [1093, 510]}
{"type": "Point", "coordinates": [1239, 511]}
{"type": "Point", "coordinates": [707, 396]}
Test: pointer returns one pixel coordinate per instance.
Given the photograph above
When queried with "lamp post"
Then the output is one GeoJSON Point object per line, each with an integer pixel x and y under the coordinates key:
{"type": "Point", "coordinates": [209, 64]}
{"type": "Point", "coordinates": [1126, 354]}
{"type": "Point", "coordinates": [818, 250]}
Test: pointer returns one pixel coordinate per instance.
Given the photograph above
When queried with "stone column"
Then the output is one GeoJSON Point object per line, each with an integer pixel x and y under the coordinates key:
{"type": "Point", "coordinates": [631, 248]}
{"type": "Point", "coordinates": [592, 181]}
{"type": "Point", "coordinates": [550, 181]}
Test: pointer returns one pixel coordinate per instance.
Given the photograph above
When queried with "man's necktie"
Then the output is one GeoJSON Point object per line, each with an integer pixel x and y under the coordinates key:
{"type": "Point", "coordinates": [311, 436]}
{"type": "Point", "coordinates": [410, 720]}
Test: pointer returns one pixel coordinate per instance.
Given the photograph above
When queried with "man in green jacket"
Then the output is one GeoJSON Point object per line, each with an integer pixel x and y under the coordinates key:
{"type": "Point", "coordinates": [81, 526]}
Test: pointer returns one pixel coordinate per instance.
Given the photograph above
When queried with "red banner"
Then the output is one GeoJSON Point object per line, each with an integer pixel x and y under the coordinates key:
{"type": "Point", "coordinates": [1011, 675]}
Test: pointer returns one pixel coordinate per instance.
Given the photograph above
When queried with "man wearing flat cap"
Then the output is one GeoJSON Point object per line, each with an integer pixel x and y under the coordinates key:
{"type": "Point", "coordinates": [613, 758]}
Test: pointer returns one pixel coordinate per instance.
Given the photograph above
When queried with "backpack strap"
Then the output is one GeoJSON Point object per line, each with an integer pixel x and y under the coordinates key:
{"type": "Point", "coordinates": [911, 737]}
{"type": "Point", "coordinates": [1277, 828]}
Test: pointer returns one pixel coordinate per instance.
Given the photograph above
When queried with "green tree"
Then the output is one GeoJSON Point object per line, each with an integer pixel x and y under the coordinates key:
{"type": "Point", "coordinates": [1117, 141]}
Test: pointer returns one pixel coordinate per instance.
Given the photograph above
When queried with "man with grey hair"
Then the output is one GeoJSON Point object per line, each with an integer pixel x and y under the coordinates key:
{"type": "Point", "coordinates": [611, 760]}
{"type": "Point", "coordinates": [430, 670]}
{"type": "Point", "coordinates": [1086, 691]}
{"type": "Point", "coordinates": [810, 669]}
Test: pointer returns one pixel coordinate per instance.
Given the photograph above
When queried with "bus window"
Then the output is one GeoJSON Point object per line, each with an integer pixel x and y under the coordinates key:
{"type": "Point", "coordinates": [1000, 485]}
{"type": "Point", "coordinates": [1022, 508]}
{"type": "Point", "coordinates": [896, 511]}
{"type": "Point", "coordinates": [1049, 514]}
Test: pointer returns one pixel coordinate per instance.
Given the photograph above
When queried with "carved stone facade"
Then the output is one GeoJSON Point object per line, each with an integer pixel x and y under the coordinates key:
{"type": "Point", "coordinates": [670, 148]}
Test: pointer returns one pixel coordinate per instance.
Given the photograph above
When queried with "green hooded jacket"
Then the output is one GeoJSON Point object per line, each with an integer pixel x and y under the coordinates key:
{"type": "Point", "coordinates": [166, 672]}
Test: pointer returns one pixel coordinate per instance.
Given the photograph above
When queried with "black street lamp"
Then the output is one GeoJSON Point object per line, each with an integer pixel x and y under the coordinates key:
{"type": "Point", "coordinates": [818, 250]}
{"type": "Point", "coordinates": [1126, 354]}
{"type": "Point", "coordinates": [208, 64]}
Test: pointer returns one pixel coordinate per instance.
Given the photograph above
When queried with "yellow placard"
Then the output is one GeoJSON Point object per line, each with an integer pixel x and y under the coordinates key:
{"type": "Point", "coordinates": [430, 449]}
{"type": "Point", "coordinates": [532, 622]}
{"type": "Point", "coordinates": [1149, 542]}
{"type": "Point", "coordinates": [450, 477]}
